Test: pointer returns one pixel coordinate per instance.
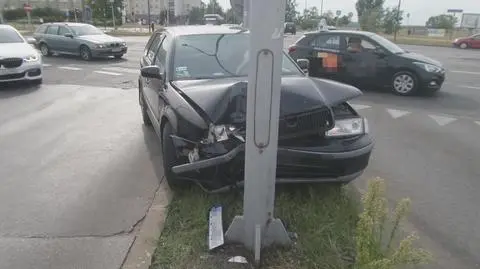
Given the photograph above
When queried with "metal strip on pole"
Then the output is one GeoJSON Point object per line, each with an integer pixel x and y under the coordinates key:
{"type": "Point", "coordinates": [258, 227]}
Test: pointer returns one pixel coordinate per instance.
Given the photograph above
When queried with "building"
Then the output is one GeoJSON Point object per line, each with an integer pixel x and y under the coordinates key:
{"type": "Point", "coordinates": [138, 9]}
{"type": "Point", "coordinates": [59, 4]}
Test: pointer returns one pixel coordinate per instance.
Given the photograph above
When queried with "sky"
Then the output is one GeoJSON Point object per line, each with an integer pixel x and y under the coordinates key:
{"type": "Point", "coordinates": [420, 10]}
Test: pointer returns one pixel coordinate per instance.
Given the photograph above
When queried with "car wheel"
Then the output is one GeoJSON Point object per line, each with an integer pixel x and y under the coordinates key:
{"type": "Point", "coordinates": [404, 83]}
{"type": "Point", "coordinates": [145, 117]}
{"type": "Point", "coordinates": [85, 53]}
{"type": "Point", "coordinates": [45, 50]}
{"type": "Point", "coordinates": [118, 56]}
{"type": "Point", "coordinates": [169, 157]}
{"type": "Point", "coordinates": [463, 45]}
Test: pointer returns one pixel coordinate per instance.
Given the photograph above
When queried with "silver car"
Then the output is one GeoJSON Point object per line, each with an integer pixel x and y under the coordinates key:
{"type": "Point", "coordinates": [80, 39]}
{"type": "Point", "coordinates": [19, 60]}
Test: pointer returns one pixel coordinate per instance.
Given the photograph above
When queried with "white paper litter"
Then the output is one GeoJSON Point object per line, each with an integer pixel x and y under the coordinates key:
{"type": "Point", "coordinates": [238, 259]}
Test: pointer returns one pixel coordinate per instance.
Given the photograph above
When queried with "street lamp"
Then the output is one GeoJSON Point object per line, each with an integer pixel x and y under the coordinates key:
{"type": "Point", "coordinates": [113, 14]}
{"type": "Point", "coordinates": [397, 21]}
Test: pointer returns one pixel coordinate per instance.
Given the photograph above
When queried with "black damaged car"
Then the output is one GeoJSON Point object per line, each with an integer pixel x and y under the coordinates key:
{"type": "Point", "coordinates": [192, 89]}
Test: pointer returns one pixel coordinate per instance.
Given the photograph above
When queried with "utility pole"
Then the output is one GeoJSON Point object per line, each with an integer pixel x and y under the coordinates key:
{"type": "Point", "coordinates": [113, 14]}
{"type": "Point", "coordinates": [82, 4]}
{"type": "Point", "coordinates": [397, 20]}
{"type": "Point", "coordinates": [321, 8]}
{"type": "Point", "coordinates": [246, 13]}
{"type": "Point", "coordinates": [257, 227]}
{"type": "Point", "coordinates": [149, 18]}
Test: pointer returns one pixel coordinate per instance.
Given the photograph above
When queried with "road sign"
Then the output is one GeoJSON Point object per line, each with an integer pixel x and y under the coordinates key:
{"type": "Point", "coordinates": [471, 20]}
{"type": "Point", "coordinates": [258, 227]}
{"type": "Point", "coordinates": [27, 7]}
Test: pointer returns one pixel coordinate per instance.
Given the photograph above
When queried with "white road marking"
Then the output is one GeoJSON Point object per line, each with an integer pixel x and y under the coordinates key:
{"type": "Point", "coordinates": [397, 113]}
{"type": "Point", "coordinates": [477, 122]}
{"type": "Point", "coordinates": [442, 120]}
{"type": "Point", "coordinates": [70, 68]}
{"type": "Point", "coordinates": [359, 107]}
{"type": "Point", "coordinates": [465, 72]}
{"type": "Point", "coordinates": [470, 87]}
{"type": "Point", "coordinates": [122, 70]}
{"type": "Point", "coordinates": [107, 73]}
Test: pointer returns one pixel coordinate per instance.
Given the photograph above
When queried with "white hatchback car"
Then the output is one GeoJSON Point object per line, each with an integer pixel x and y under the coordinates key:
{"type": "Point", "coordinates": [19, 60]}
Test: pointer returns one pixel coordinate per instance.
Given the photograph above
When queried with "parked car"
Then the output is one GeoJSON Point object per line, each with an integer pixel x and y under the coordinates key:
{"type": "Point", "coordinates": [79, 39]}
{"type": "Point", "coordinates": [368, 60]}
{"type": "Point", "coordinates": [468, 42]}
{"type": "Point", "coordinates": [192, 89]}
{"type": "Point", "coordinates": [19, 60]}
{"type": "Point", "coordinates": [290, 28]}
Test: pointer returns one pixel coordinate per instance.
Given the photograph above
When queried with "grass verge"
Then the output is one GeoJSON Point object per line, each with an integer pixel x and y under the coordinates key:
{"type": "Point", "coordinates": [323, 218]}
{"type": "Point", "coordinates": [422, 41]}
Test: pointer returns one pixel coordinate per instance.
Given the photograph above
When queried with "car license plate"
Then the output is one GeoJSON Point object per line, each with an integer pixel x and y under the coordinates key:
{"type": "Point", "coordinates": [5, 71]}
{"type": "Point", "coordinates": [116, 50]}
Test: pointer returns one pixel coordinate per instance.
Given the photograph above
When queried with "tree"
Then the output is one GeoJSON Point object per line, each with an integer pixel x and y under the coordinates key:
{"type": "Point", "coordinates": [344, 20]}
{"type": "Point", "coordinates": [369, 14]}
{"type": "Point", "coordinates": [392, 19]}
{"type": "Point", "coordinates": [290, 11]}
{"type": "Point", "coordinates": [442, 22]}
{"type": "Point", "coordinates": [213, 7]}
{"type": "Point", "coordinates": [196, 15]}
{"type": "Point", "coordinates": [102, 9]}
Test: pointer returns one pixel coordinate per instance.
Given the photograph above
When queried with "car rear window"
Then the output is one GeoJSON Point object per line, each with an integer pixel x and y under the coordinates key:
{"type": "Point", "coordinates": [41, 29]}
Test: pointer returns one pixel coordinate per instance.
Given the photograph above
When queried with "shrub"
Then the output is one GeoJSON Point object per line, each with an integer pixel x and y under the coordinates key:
{"type": "Point", "coordinates": [374, 251]}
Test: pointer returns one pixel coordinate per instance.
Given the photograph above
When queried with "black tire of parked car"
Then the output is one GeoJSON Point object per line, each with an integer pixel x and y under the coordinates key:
{"type": "Point", "coordinates": [85, 53]}
{"type": "Point", "coordinates": [169, 157]}
{"type": "Point", "coordinates": [145, 117]}
{"type": "Point", "coordinates": [118, 56]}
{"type": "Point", "coordinates": [463, 45]}
{"type": "Point", "coordinates": [408, 78]}
{"type": "Point", "coordinates": [45, 50]}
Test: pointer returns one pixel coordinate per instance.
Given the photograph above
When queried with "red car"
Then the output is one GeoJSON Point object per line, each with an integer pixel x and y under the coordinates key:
{"type": "Point", "coordinates": [468, 42]}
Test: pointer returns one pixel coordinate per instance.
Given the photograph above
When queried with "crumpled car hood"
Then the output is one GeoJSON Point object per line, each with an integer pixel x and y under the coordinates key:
{"type": "Point", "coordinates": [224, 100]}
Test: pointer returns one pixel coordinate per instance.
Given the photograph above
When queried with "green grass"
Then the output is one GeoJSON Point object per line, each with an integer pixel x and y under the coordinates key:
{"type": "Point", "coordinates": [322, 216]}
{"type": "Point", "coordinates": [422, 41]}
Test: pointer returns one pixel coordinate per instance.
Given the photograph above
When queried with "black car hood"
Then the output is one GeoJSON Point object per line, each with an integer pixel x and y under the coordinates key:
{"type": "Point", "coordinates": [420, 58]}
{"type": "Point", "coordinates": [224, 100]}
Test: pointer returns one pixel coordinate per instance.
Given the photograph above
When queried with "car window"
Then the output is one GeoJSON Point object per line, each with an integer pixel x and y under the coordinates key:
{"type": "Point", "coordinates": [8, 35]}
{"type": "Point", "coordinates": [359, 44]}
{"type": "Point", "coordinates": [326, 42]}
{"type": "Point", "coordinates": [161, 56]}
{"type": "Point", "coordinates": [52, 30]}
{"type": "Point", "coordinates": [41, 29]}
{"type": "Point", "coordinates": [63, 30]}
{"type": "Point", "coordinates": [86, 29]}
{"type": "Point", "coordinates": [152, 50]}
{"type": "Point", "coordinates": [387, 44]}
{"type": "Point", "coordinates": [476, 37]}
{"type": "Point", "coordinates": [209, 56]}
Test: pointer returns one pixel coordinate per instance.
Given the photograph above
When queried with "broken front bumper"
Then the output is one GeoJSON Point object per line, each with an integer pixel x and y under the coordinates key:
{"type": "Point", "coordinates": [331, 163]}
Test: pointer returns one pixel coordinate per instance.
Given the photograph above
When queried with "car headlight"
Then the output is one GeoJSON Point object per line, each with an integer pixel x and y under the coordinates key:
{"type": "Point", "coordinates": [101, 46]}
{"type": "Point", "coordinates": [219, 133]}
{"type": "Point", "coordinates": [429, 67]}
{"type": "Point", "coordinates": [348, 127]}
{"type": "Point", "coordinates": [31, 58]}
{"type": "Point", "coordinates": [124, 44]}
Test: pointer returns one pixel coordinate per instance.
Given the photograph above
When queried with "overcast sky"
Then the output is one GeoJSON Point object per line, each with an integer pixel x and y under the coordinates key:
{"type": "Point", "coordinates": [420, 10]}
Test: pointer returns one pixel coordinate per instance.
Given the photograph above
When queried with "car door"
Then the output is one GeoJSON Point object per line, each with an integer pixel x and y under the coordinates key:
{"type": "Point", "coordinates": [51, 37]}
{"type": "Point", "coordinates": [149, 91]}
{"type": "Point", "coordinates": [475, 43]}
{"type": "Point", "coordinates": [157, 85]}
{"type": "Point", "coordinates": [363, 66]}
{"type": "Point", "coordinates": [39, 34]}
{"type": "Point", "coordinates": [325, 56]}
{"type": "Point", "coordinates": [66, 44]}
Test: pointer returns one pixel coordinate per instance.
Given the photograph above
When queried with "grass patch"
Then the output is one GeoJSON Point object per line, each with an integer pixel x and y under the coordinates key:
{"type": "Point", "coordinates": [323, 217]}
{"type": "Point", "coordinates": [422, 41]}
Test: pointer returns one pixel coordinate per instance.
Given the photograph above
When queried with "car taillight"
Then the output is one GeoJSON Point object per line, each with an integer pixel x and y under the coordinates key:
{"type": "Point", "coordinates": [291, 49]}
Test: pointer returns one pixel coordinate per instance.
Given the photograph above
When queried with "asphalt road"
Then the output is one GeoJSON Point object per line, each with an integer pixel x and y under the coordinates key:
{"type": "Point", "coordinates": [78, 168]}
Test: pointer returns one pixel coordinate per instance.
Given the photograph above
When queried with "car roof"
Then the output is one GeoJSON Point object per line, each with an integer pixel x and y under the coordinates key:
{"type": "Point", "coordinates": [347, 32]}
{"type": "Point", "coordinates": [202, 29]}
{"type": "Point", "coordinates": [6, 26]}
{"type": "Point", "coordinates": [66, 23]}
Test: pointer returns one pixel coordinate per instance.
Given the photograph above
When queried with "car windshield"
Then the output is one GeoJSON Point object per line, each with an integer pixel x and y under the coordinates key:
{"type": "Point", "coordinates": [10, 36]}
{"type": "Point", "coordinates": [80, 30]}
{"type": "Point", "coordinates": [387, 44]}
{"type": "Point", "coordinates": [207, 56]}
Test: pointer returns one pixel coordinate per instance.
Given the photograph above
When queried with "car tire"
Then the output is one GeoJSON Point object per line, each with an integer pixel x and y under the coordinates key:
{"type": "Point", "coordinates": [85, 53]}
{"type": "Point", "coordinates": [45, 50]}
{"type": "Point", "coordinates": [463, 46]}
{"type": "Point", "coordinates": [404, 83]}
{"type": "Point", "coordinates": [169, 157]}
{"type": "Point", "coordinates": [143, 107]}
{"type": "Point", "coordinates": [118, 56]}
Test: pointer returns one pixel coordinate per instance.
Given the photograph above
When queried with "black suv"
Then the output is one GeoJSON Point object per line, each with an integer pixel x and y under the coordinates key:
{"type": "Point", "coordinates": [290, 28]}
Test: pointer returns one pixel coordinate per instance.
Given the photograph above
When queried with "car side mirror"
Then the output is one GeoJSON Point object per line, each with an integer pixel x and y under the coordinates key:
{"type": "Point", "coordinates": [69, 35]}
{"type": "Point", "coordinates": [151, 71]}
{"type": "Point", "coordinates": [304, 64]}
{"type": "Point", "coordinates": [31, 40]}
{"type": "Point", "coordinates": [380, 52]}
